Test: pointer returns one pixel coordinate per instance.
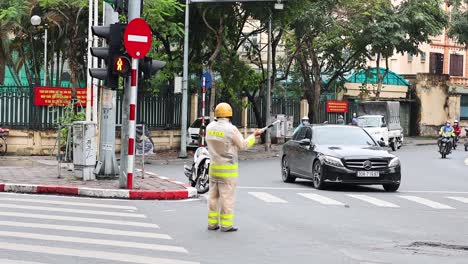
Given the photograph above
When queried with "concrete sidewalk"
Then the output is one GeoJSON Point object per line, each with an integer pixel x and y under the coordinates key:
{"type": "Point", "coordinates": [40, 175]}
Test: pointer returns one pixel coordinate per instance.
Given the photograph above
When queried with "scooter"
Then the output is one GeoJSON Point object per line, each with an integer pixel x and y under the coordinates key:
{"type": "Point", "coordinates": [455, 142]}
{"type": "Point", "coordinates": [198, 172]}
{"type": "Point", "coordinates": [444, 146]}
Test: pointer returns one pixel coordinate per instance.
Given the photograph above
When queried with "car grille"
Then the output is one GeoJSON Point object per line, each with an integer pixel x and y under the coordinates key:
{"type": "Point", "coordinates": [364, 164]}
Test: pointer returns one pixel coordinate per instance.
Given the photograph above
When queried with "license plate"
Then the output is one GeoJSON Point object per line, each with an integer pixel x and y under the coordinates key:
{"type": "Point", "coordinates": [368, 174]}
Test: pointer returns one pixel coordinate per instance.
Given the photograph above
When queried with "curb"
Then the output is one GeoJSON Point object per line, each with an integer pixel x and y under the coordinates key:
{"type": "Point", "coordinates": [189, 191]}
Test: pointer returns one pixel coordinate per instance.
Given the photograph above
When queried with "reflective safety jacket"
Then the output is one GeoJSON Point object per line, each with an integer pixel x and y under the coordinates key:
{"type": "Point", "coordinates": [446, 131]}
{"type": "Point", "coordinates": [224, 141]}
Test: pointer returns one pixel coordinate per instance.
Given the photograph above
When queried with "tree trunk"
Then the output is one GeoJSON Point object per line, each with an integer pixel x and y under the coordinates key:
{"type": "Point", "coordinates": [2, 67]}
{"type": "Point", "coordinates": [380, 78]}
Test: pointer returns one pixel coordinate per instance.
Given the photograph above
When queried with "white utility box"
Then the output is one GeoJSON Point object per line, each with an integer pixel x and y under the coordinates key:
{"type": "Point", "coordinates": [84, 149]}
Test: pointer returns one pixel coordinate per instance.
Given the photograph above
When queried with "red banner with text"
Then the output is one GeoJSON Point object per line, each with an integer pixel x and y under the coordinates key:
{"type": "Point", "coordinates": [334, 106]}
{"type": "Point", "coordinates": [56, 96]}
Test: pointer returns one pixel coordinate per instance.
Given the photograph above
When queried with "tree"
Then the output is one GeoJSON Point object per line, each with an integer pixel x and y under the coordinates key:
{"type": "Point", "coordinates": [71, 16]}
{"type": "Point", "coordinates": [401, 28]}
{"type": "Point", "coordinates": [459, 21]}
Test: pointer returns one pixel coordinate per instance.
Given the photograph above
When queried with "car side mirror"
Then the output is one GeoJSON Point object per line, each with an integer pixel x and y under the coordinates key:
{"type": "Point", "coordinates": [305, 142]}
{"type": "Point", "coordinates": [381, 143]}
{"type": "Point", "coordinates": [384, 125]}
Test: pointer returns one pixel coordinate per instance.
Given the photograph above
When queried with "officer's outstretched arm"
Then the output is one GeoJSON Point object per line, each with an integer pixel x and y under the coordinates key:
{"type": "Point", "coordinates": [239, 140]}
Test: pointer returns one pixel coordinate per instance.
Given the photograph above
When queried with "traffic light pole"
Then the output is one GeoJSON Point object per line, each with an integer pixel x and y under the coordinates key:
{"type": "Point", "coordinates": [129, 117]}
{"type": "Point", "coordinates": [107, 165]}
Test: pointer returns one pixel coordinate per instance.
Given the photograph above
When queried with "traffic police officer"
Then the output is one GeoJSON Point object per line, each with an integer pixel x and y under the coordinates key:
{"type": "Point", "coordinates": [224, 141]}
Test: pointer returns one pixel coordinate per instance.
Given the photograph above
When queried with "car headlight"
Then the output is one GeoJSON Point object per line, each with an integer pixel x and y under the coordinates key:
{"type": "Point", "coordinates": [332, 161]}
{"type": "Point", "coordinates": [395, 162]}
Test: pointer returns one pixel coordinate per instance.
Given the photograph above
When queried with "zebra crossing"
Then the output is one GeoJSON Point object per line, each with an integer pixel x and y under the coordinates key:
{"type": "Point", "coordinates": [53, 230]}
{"type": "Point", "coordinates": [384, 200]}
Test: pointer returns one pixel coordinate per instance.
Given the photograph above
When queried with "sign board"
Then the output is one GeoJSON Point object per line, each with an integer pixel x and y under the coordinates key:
{"type": "Point", "coordinates": [56, 96]}
{"type": "Point", "coordinates": [334, 106]}
{"type": "Point", "coordinates": [137, 38]}
{"type": "Point", "coordinates": [178, 84]}
{"type": "Point", "coordinates": [207, 77]}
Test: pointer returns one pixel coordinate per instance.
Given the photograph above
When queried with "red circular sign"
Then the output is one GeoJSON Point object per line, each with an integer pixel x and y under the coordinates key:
{"type": "Point", "coordinates": [137, 38]}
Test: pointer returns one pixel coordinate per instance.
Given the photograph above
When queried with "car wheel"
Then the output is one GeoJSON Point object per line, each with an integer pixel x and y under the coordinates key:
{"type": "Point", "coordinates": [317, 175]}
{"type": "Point", "coordinates": [285, 171]}
{"type": "Point", "coordinates": [391, 187]}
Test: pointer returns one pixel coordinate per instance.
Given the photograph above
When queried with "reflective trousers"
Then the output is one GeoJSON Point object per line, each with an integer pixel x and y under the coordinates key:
{"type": "Point", "coordinates": [221, 200]}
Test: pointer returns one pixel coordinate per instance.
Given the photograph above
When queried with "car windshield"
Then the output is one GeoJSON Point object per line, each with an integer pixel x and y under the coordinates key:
{"type": "Point", "coordinates": [369, 121]}
{"type": "Point", "coordinates": [341, 135]}
{"type": "Point", "coordinates": [197, 123]}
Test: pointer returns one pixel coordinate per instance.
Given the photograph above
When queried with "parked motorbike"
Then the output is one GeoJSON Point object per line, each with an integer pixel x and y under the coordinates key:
{"type": "Point", "coordinates": [444, 146]}
{"type": "Point", "coordinates": [198, 172]}
{"type": "Point", "coordinates": [466, 139]}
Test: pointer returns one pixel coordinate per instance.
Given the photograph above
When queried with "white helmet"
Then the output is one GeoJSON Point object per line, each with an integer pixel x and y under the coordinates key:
{"type": "Point", "coordinates": [456, 121]}
{"type": "Point", "coordinates": [305, 118]}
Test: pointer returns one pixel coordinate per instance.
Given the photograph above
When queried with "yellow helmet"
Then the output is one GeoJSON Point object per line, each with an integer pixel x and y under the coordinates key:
{"type": "Point", "coordinates": [223, 110]}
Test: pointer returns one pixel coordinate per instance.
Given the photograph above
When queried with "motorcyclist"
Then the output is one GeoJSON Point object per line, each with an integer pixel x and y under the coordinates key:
{"type": "Point", "coordinates": [304, 122]}
{"type": "Point", "coordinates": [446, 130]}
{"type": "Point", "coordinates": [354, 121]}
{"type": "Point", "coordinates": [456, 129]}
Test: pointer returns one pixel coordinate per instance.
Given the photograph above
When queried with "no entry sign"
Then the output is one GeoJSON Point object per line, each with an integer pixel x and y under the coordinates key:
{"type": "Point", "coordinates": [137, 38]}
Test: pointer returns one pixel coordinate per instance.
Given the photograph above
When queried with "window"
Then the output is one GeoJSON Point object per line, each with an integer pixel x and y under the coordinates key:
{"type": "Point", "coordinates": [464, 107]}
{"type": "Point", "coordinates": [345, 135]}
{"type": "Point", "coordinates": [436, 61]}
{"type": "Point", "coordinates": [456, 65]}
{"type": "Point", "coordinates": [423, 57]}
{"type": "Point", "coordinates": [410, 56]}
{"type": "Point", "coordinates": [303, 133]}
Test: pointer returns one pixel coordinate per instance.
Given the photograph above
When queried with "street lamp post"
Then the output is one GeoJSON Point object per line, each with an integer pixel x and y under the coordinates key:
{"type": "Point", "coordinates": [36, 21]}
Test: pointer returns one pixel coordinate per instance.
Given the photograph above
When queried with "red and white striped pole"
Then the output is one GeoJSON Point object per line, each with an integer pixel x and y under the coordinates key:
{"type": "Point", "coordinates": [132, 124]}
{"type": "Point", "coordinates": [203, 111]}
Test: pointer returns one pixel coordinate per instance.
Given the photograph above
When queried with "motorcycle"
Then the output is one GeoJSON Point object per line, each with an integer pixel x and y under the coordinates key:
{"type": "Point", "coordinates": [444, 146]}
{"type": "Point", "coordinates": [455, 142]}
{"type": "Point", "coordinates": [466, 139]}
{"type": "Point", "coordinates": [198, 172]}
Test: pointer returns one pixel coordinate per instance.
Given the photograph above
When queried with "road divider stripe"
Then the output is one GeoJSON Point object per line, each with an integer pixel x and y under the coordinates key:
{"type": "Point", "coordinates": [68, 210]}
{"type": "Point", "coordinates": [266, 197]}
{"type": "Point", "coordinates": [460, 199]}
{"type": "Point", "coordinates": [373, 200]}
{"type": "Point", "coordinates": [321, 199]}
{"type": "Point", "coordinates": [95, 254]}
{"type": "Point", "coordinates": [43, 201]}
{"type": "Point", "coordinates": [86, 229]}
{"type": "Point", "coordinates": [426, 202]}
{"type": "Point", "coordinates": [79, 219]}
{"type": "Point", "coordinates": [102, 242]}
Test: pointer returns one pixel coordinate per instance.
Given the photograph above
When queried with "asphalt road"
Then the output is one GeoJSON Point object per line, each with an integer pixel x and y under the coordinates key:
{"type": "Point", "coordinates": [425, 222]}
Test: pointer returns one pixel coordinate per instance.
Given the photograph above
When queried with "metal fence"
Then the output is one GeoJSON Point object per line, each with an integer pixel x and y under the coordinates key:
{"type": "Point", "coordinates": [17, 110]}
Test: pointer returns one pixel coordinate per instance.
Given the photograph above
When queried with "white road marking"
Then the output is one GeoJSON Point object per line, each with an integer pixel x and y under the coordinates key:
{"type": "Point", "coordinates": [103, 255]}
{"type": "Point", "coordinates": [426, 202]}
{"type": "Point", "coordinates": [321, 199]}
{"type": "Point", "coordinates": [138, 38]}
{"type": "Point", "coordinates": [460, 199]}
{"type": "Point", "coordinates": [11, 261]}
{"type": "Point", "coordinates": [85, 229]}
{"type": "Point", "coordinates": [266, 197]}
{"type": "Point", "coordinates": [67, 210]}
{"type": "Point", "coordinates": [61, 197]}
{"type": "Point", "coordinates": [275, 188]}
{"type": "Point", "coordinates": [79, 219]}
{"type": "Point", "coordinates": [466, 162]}
{"type": "Point", "coordinates": [372, 200]}
{"type": "Point", "coordinates": [110, 206]}
{"type": "Point", "coordinates": [114, 243]}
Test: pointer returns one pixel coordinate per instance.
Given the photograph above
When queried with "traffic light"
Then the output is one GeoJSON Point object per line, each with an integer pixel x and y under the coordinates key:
{"type": "Point", "coordinates": [113, 34]}
{"type": "Point", "coordinates": [121, 66]}
{"type": "Point", "coordinates": [149, 67]}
